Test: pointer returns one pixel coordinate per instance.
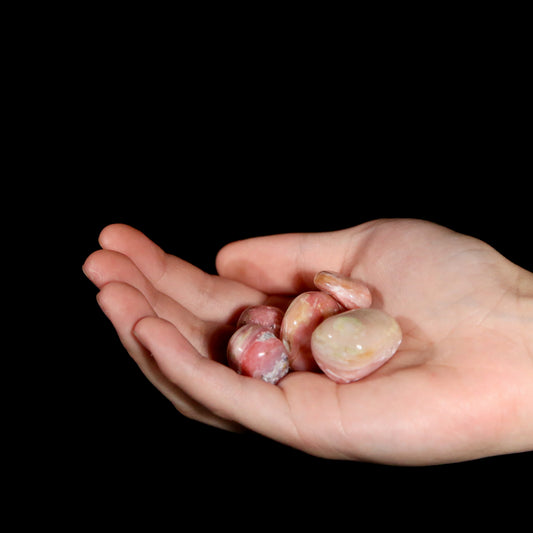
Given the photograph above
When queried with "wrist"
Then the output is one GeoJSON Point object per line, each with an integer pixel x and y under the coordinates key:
{"type": "Point", "coordinates": [522, 292]}
{"type": "Point", "coordinates": [510, 322]}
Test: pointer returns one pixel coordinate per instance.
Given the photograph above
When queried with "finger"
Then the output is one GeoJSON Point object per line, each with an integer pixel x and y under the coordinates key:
{"type": "Point", "coordinates": [207, 296]}
{"type": "Point", "coordinates": [104, 266]}
{"type": "Point", "coordinates": [209, 338]}
{"type": "Point", "coordinates": [284, 263]}
{"type": "Point", "coordinates": [124, 306]}
{"type": "Point", "coordinates": [250, 402]}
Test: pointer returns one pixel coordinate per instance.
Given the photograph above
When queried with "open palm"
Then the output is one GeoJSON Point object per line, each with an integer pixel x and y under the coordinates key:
{"type": "Point", "coordinates": [459, 387]}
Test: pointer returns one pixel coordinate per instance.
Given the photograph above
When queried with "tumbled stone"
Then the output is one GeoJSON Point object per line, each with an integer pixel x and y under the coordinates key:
{"type": "Point", "coordinates": [351, 293]}
{"type": "Point", "coordinates": [352, 344]}
{"type": "Point", "coordinates": [267, 316]}
{"type": "Point", "coordinates": [255, 351]}
{"type": "Point", "coordinates": [303, 315]}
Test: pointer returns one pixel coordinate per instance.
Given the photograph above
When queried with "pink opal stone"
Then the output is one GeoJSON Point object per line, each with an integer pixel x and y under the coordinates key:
{"type": "Point", "coordinates": [351, 345]}
{"type": "Point", "coordinates": [255, 351]}
{"type": "Point", "coordinates": [351, 293]}
{"type": "Point", "coordinates": [303, 315]}
{"type": "Point", "coordinates": [267, 316]}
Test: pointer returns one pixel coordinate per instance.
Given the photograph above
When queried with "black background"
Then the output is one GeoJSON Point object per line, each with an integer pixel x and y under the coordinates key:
{"type": "Point", "coordinates": [197, 145]}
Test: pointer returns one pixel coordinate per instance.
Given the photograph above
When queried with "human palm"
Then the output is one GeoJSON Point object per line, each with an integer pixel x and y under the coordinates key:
{"type": "Point", "coordinates": [459, 387]}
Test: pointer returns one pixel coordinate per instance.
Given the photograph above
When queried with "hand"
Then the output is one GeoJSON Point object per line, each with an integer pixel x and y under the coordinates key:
{"type": "Point", "coordinates": [460, 386]}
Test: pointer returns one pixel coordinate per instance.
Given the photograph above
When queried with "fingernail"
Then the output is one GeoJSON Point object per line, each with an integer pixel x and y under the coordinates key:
{"type": "Point", "coordinates": [94, 275]}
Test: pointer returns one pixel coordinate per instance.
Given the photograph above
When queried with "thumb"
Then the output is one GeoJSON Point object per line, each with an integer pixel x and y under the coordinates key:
{"type": "Point", "coordinates": [286, 263]}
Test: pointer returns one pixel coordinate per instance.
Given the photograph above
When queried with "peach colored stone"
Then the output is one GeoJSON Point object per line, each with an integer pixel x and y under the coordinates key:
{"type": "Point", "coordinates": [351, 293]}
{"type": "Point", "coordinates": [351, 345]}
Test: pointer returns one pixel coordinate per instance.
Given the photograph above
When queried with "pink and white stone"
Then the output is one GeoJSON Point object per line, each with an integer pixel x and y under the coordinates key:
{"type": "Point", "coordinates": [352, 344]}
{"type": "Point", "coordinates": [255, 351]}
{"type": "Point", "coordinates": [351, 293]}
{"type": "Point", "coordinates": [267, 316]}
{"type": "Point", "coordinates": [303, 315]}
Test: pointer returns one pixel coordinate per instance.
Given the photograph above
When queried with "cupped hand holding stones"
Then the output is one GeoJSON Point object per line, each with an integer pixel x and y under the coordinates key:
{"type": "Point", "coordinates": [315, 332]}
{"type": "Point", "coordinates": [459, 386]}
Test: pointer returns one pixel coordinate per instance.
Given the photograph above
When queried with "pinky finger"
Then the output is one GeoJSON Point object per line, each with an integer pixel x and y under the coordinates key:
{"type": "Point", "coordinates": [252, 403]}
{"type": "Point", "coordinates": [124, 306]}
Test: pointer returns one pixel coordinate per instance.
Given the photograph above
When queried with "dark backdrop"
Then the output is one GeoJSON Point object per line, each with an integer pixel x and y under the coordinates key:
{"type": "Point", "coordinates": [198, 154]}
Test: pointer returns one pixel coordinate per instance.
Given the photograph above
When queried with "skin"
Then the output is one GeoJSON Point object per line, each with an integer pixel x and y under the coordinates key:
{"type": "Point", "coordinates": [460, 387]}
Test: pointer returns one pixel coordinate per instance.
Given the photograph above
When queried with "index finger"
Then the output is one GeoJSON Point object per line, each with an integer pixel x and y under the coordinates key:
{"type": "Point", "coordinates": [209, 297]}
